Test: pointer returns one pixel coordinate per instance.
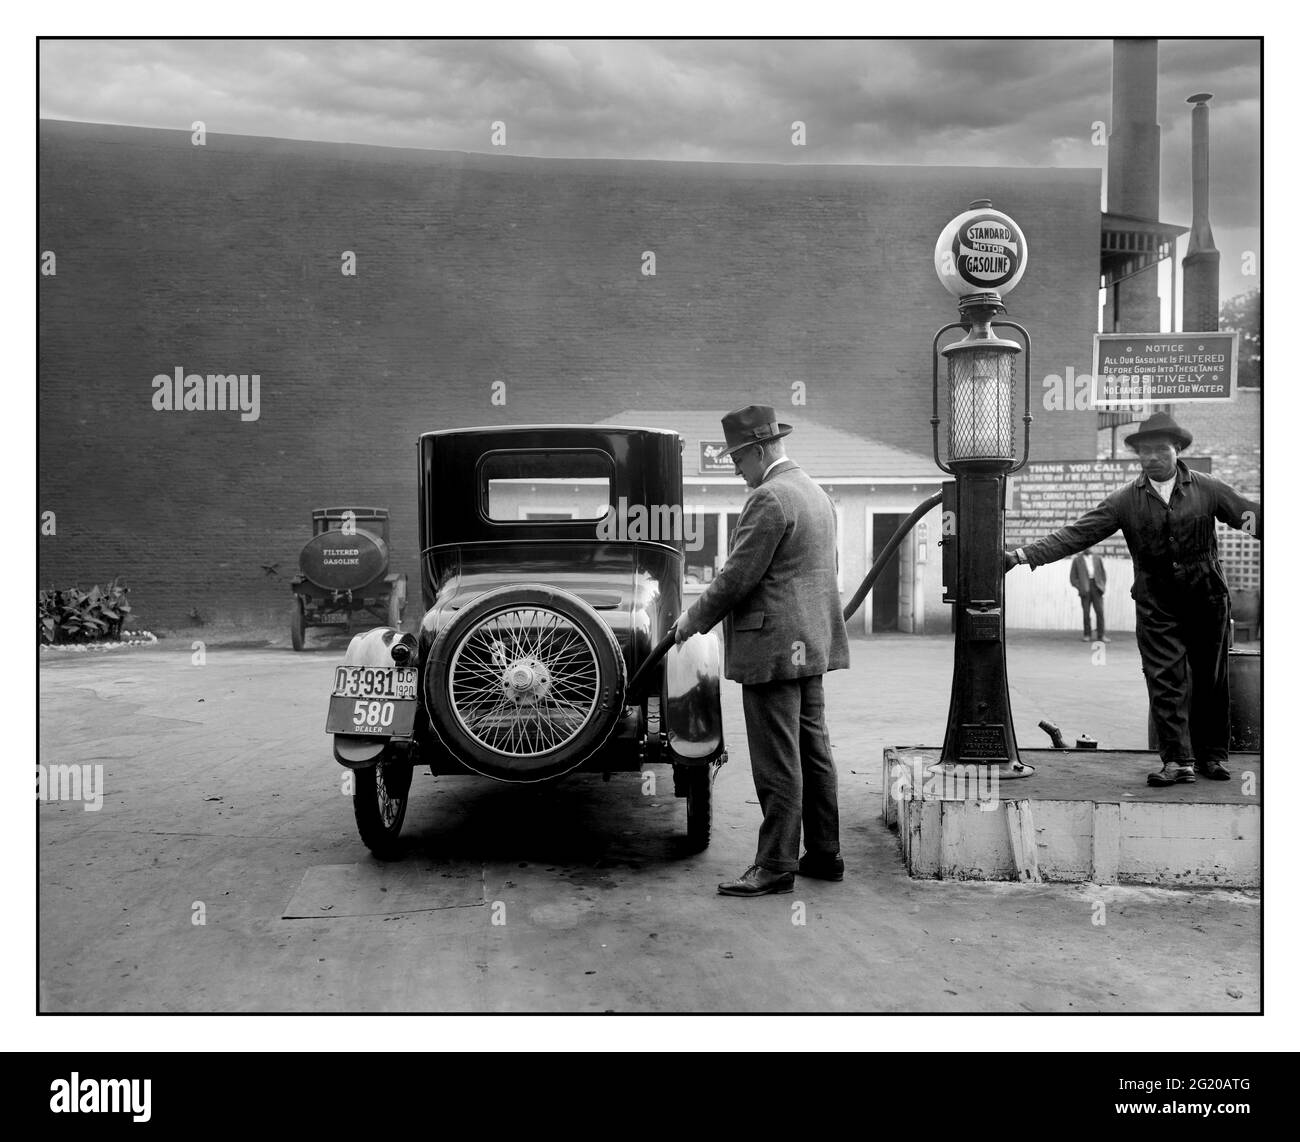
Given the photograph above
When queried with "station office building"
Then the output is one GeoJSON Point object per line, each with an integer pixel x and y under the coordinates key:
{"type": "Point", "coordinates": [378, 293]}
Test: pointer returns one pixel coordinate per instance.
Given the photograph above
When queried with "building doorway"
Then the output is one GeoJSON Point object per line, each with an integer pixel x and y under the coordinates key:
{"type": "Point", "coordinates": [884, 594]}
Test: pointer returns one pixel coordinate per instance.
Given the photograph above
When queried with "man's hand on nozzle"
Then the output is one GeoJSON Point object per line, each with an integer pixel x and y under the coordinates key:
{"type": "Point", "coordinates": [1009, 560]}
{"type": "Point", "coordinates": [685, 628]}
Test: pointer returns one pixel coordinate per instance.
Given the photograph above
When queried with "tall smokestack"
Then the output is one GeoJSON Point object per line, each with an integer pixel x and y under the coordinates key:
{"type": "Point", "coordinates": [1201, 265]}
{"type": "Point", "coordinates": [1133, 175]}
{"type": "Point", "coordinates": [1133, 150]}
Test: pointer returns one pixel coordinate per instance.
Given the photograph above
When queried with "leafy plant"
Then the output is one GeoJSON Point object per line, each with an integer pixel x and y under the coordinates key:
{"type": "Point", "coordinates": [74, 615]}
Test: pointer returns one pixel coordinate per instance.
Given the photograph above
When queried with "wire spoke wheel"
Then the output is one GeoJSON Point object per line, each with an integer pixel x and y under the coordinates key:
{"type": "Point", "coordinates": [524, 681]}
{"type": "Point", "coordinates": [379, 802]}
{"type": "Point", "coordinates": [390, 807]}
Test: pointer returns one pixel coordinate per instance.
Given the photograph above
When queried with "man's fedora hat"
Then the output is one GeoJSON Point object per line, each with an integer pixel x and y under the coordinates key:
{"type": "Point", "coordinates": [1160, 424]}
{"type": "Point", "coordinates": [752, 424]}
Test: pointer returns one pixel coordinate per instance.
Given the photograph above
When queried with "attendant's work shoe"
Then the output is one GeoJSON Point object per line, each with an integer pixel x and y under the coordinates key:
{"type": "Point", "coordinates": [823, 866]}
{"type": "Point", "coordinates": [1170, 774]}
{"type": "Point", "coordinates": [758, 881]}
{"type": "Point", "coordinates": [1213, 770]}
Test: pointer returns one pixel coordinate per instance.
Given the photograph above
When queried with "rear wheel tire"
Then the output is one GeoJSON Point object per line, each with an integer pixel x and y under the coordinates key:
{"type": "Point", "coordinates": [524, 683]}
{"type": "Point", "coordinates": [297, 624]}
{"type": "Point", "coordinates": [699, 806]}
{"type": "Point", "coordinates": [379, 799]}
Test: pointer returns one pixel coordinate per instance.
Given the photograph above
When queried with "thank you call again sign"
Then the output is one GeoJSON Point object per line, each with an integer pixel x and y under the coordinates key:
{"type": "Point", "coordinates": [980, 251]}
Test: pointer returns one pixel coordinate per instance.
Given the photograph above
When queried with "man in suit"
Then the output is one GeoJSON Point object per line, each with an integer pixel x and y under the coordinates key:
{"type": "Point", "coordinates": [1167, 516]}
{"type": "Point", "coordinates": [783, 629]}
{"type": "Point", "coordinates": [1088, 577]}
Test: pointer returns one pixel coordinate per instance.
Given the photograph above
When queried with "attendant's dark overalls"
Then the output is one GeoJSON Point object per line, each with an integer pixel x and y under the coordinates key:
{"type": "Point", "coordinates": [1181, 597]}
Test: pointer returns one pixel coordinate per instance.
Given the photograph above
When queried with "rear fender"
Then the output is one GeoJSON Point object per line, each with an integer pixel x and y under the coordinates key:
{"type": "Point", "coordinates": [375, 648]}
{"type": "Point", "coordinates": [693, 700]}
{"type": "Point", "coordinates": [357, 752]}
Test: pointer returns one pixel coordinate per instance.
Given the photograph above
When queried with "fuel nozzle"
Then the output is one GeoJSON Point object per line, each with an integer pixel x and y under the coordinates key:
{"type": "Point", "coordinates": [1053, 731]}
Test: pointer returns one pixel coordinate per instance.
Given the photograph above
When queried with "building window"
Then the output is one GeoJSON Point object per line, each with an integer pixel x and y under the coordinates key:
{"type": "Point", "coordinates": [703, 564]}
{"type": "Point", "coordinates": [713, 531]}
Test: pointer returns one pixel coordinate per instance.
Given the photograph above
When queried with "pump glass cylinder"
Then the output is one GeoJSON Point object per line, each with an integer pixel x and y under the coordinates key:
{"type": "Point", "coordinates": [980, 387]}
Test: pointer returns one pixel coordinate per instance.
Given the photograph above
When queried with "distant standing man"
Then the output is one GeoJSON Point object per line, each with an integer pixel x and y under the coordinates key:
{"type": "Point", "coordinates": [783, 630]}
{"type": "Point", "coordinates": [1167, 516]}
{"type": "Point", "coordinates": [1088, 577]}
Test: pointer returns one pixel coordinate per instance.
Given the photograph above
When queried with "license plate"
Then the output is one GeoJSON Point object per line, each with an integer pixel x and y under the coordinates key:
{"type": "Point", "coordinates": [394, 682]}
{"type": "Point", "coordinates": [331, 618]}
{"type": "Point", "coordinates": [377, 717]}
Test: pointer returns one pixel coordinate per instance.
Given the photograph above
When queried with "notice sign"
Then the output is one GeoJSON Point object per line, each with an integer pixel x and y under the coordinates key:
{"type": "Point", "coordinates": [1046, 495]}
{"type": "Point", "coordinates": [1136, 369]}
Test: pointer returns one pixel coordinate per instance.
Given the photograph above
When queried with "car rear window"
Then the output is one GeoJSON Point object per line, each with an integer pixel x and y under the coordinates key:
{"type": "Point", "coordinates": [541, 485]}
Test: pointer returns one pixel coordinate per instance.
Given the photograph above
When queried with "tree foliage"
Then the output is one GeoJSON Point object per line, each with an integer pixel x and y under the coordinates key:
{"type": "Point", "coordinates": [1244, 314]}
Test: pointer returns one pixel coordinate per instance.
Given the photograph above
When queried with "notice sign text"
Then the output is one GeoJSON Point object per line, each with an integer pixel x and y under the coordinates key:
{"type": "Point", "coordinates": [1135, 369]}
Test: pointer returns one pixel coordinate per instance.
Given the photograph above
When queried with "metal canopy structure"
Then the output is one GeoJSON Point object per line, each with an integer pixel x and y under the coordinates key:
{"type": "Point", "coordinates": [1130, 245]}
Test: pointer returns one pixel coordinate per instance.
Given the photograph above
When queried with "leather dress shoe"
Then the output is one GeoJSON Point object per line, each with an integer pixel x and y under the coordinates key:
{"type": "Point", "coordinates": [758, 881]}
{"type": "Point", "coordinates": [1213, 770]}
{"type": "Point", "coordinates": [823, 866]}
{"type": "Point", "coordinates": [1169, 774]}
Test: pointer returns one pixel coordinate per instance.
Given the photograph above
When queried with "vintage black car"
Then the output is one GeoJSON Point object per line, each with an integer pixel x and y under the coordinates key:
{"type": "Point", "coordinates": [343, 575]}
{"type": "Point", "coordinates": [551, 566]}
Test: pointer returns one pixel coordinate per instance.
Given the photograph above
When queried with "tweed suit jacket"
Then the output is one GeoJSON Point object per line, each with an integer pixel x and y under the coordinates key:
{"type": "Point", "coordinates": [777, 594]}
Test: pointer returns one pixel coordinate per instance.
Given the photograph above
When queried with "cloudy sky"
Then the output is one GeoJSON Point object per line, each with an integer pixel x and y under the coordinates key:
{"type": "Point", "coordinates": [960, 102]}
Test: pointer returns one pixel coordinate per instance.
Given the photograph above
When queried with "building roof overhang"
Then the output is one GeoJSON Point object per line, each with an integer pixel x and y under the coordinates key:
{"type": "Point", "coordinates": [1130, 245]}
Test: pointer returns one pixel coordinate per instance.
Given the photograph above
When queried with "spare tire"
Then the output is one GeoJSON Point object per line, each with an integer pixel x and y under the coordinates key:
{"type": "Point", "coordinates": [524, 683]}
{"type": "Point", "coordinates": [341, 561]}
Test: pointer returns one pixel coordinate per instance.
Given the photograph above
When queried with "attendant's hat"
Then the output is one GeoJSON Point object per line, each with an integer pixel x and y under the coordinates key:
{"type": "Point", "coordinates": [752, 424]}
{"type": "Point", "coordinates": [1160, 424]}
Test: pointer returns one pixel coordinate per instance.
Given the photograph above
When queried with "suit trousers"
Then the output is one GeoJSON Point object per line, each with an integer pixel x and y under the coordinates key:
{"type": "Point", "coordinates": [794, 772]}
{"type": "Point", "coordinates": [1093, 601]}
{"type": "Point", "coordinates": [1184, 648]}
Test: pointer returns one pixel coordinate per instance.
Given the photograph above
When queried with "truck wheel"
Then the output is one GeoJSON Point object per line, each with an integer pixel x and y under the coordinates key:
{"type": "Point", "coordinates": [379, 801]}
{"type": "Point", "coordinates": [699, 806]}
{"type": "Point", "coordinates": [297, 624]}
{"type": "Point", "coordinates": [524, 683]}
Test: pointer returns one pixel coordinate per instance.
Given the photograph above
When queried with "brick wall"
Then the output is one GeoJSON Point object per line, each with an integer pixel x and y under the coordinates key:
{"type": "Point", "coordinates": [471, 269]}
{"type": "Point", "coordinates": [1232, 434]}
